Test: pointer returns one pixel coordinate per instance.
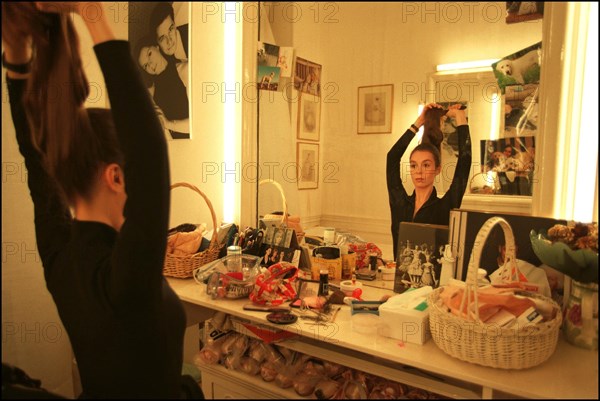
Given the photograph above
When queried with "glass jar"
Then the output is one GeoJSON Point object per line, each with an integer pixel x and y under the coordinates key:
{"type": "Point", "coordinates": [580, 324]}
{"type": "Point", "coordinates": [234, 262]}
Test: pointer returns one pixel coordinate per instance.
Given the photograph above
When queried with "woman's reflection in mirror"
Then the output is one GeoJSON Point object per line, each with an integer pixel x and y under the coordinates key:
{"type": "Point", "coordinates": [424, 206]}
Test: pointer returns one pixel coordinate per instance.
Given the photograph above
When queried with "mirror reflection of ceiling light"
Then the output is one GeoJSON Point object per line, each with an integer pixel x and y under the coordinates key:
{"type": "Point", "coordinates": [466, 65]}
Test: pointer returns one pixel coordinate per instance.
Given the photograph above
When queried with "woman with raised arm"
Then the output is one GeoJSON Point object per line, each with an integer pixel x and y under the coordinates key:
{"type": "Point", "coordinates": [424, 206]}
{"type": "Point", "coordinates": [99, 181]}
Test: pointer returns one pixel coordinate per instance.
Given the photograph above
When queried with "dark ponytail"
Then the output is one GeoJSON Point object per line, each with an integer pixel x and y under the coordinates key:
{"type": "Point", "coordinates": [432, 132]}
{"type": "Point", "coordinates": [72, 151]}
{"type": "Point", "coordinates": [432, 135]}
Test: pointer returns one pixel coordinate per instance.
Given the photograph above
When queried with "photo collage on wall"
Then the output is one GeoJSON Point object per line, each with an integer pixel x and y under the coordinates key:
{"type": "Point", "coordinates": [274, 63]}
{"type": "Point", "coordinates": [509, 161]}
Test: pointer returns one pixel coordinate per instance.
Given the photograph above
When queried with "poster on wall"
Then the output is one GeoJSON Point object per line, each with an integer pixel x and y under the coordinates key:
{"type": "Point", "coordinates": [513, 162]}
{"type": "Point", "coordinates": [159, 37]}
{"type": "Point", "coordinates": [307, 77]}
{"type": "Point", "coordinates": [520, 11]}
{"type": "Point", "coordinates": [519, 68]}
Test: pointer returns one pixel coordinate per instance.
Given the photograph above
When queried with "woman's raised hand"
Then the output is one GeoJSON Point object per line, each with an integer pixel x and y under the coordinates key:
{"type": "Point", "coordinates": [421, 119]}
{"type": "Point", "coordinates": [457, 114]}
{"type": "Point", "coordinates": [453, 110]}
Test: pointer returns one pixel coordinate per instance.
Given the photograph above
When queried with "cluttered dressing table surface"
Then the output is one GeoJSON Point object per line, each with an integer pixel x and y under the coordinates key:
{"type": "Point", "coordinates": [571, 372]}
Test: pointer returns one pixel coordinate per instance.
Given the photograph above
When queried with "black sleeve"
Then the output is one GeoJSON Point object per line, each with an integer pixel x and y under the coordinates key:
{"type": "Point", "coordinates": [140, 250]}
{"type": "Point", "coordinates": [460, 181]}
{"type": "Point", "coordinates": [392, 168]}
{"type": "Point", "coordinates": [398, 197]}
{"type": "Point", "coordinates": [51, 215]}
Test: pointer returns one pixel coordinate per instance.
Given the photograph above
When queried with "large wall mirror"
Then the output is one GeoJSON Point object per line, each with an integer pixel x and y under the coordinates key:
{"type": "Point", "coordinates": [363, 44]}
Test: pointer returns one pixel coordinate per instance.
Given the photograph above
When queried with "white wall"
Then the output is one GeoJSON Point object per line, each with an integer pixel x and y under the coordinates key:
{"type": "Point", "coordinates": [33, 337]}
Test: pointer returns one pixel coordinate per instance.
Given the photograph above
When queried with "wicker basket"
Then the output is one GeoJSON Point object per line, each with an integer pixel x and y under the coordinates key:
{"type": "Point", "coordinates": [473, 341]}
{"type": "Point", "coordinates": [184, 266]}
{"type": "Point", "coordinates": [284, 217]}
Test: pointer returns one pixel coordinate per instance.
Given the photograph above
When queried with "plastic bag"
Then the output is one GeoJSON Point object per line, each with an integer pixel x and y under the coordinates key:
{"type": "Point", "coordinates": [275, 286]}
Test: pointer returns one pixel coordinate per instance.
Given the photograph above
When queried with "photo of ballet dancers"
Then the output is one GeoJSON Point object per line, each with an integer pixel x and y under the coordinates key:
{"type": "Point", "coordinates": [420, 251]}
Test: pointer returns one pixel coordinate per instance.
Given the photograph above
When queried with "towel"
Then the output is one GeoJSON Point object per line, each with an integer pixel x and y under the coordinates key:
{"type": "Point", "coordinates": [185, 243]}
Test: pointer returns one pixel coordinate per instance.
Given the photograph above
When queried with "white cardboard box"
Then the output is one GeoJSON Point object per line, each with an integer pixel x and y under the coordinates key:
{"type": "Point", "coordinates": [400, 320]}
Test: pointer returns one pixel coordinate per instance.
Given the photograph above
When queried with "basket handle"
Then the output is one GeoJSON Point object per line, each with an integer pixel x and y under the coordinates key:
{"type": "Point", "coordinates": [214, 238]}
{"type": "Point", "coordinates": [474, 261]}
{"type": "Point", "coordinates": [284, 218]}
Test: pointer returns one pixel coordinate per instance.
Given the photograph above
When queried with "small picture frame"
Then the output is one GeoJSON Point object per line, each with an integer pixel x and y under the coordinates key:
{"type": "Point", "coordinates": [521, 11]}
{"type": "Point", "coordinates": [309, 117]}
{"type": "Point", "coordinates": [307, 76]}
{"type": "Point", "coordinates": [307, 162]}
{"type": "Point", "coordinates": [375, 109]}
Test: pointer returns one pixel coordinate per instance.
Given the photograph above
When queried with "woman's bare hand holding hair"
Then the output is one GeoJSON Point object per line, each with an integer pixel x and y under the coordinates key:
{"type": "Point", "coordinates": [457, 114]}
{"type": "Point", "coordinates": [421, 119]}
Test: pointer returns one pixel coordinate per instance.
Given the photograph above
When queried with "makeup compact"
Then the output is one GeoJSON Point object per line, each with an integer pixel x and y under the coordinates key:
{"type": "Point", "coordinates": [282, 318]}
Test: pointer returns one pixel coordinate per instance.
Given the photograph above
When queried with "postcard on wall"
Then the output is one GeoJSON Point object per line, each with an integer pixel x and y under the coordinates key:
{"type": "Point", "coordinates": [512, 160]}
{"type": "Point", "coordinates": [268, 77]}
{"type": "Point", "coordinates": [164, 63]}
{"type": "Point", "coordinates": [307, 77]}
{"type": "Point", "coordinates": [285, 61]}
{"type": "Point", "coordinates": [268, 54]}
{"type": "Point", "coordinates": [519, 68]}
{"type": "Point", "coordinates": [520, 11]}
{"type": "Point", "coordinates": [420, 251]}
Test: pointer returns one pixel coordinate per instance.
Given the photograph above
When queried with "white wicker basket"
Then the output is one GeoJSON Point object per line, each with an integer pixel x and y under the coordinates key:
{"type": "Point", "coordinates": [285, 216]}
{"type": "Point", "coordinates": [473, 341]}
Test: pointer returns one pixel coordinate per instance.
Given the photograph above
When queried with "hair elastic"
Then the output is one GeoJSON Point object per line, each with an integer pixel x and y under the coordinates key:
{"type": "Point", "coordinates": [18, 68]}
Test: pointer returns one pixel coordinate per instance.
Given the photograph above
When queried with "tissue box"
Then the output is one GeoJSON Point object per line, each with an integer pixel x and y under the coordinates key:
{"type": "Point", "coordinates": [406, 317]}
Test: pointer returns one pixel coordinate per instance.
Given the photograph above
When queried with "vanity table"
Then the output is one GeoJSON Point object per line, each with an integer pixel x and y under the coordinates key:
{"type": "Point", "coordinates": [570, 372]}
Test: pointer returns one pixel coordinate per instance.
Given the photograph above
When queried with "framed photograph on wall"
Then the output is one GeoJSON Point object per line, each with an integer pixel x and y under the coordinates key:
{"type": "Point", "coordinates": [307, 163]}
{"type": "Point", "coordinates": [164, 64]}
{"type": "Point", "coordinates": [375, 106]}
{"type": "Point", "coordinates": [309, 116]}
